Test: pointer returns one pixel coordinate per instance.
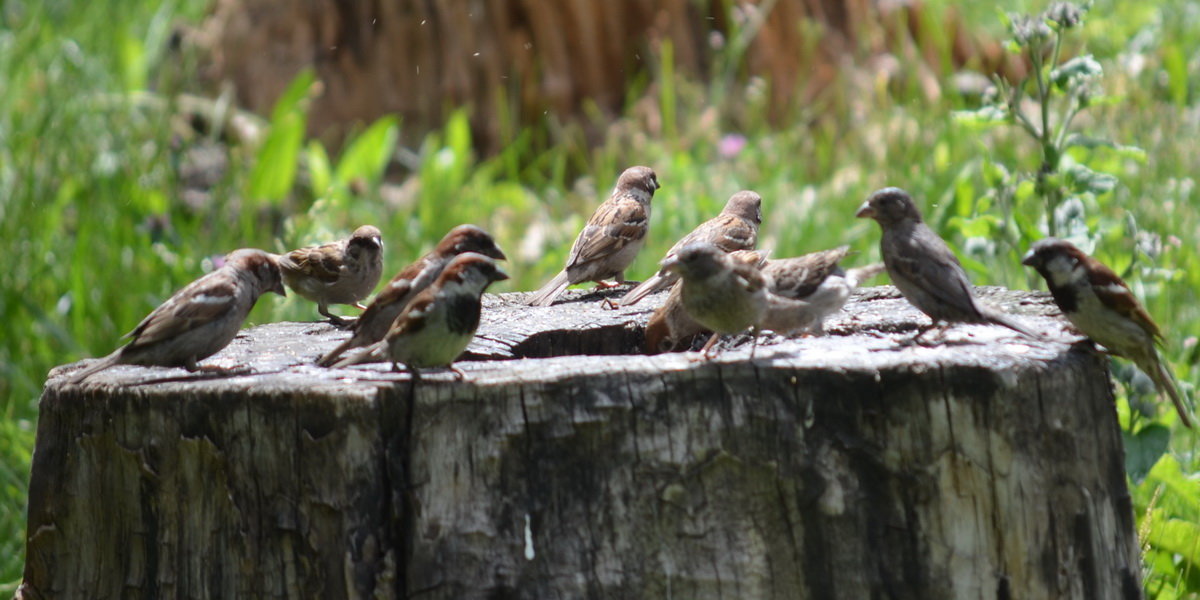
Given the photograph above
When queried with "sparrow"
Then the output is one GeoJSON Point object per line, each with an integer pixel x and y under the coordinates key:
{"type": "Point", "coordinates": [922, 266]}
{"type": "Point", "coordinates": [437, 325]}
{"type": "Point", "coordinates": [341, 272]}
{"type": "Point", "coordinates": [375, 321]}
{"type": "Point", "coordinates": [670, 328]}
{"type": "Point", "coordinates": [1096, 301]}
{"type": "Point", "coordinates": [198, 320]}
{"type": "Point", "coordinates": [736, 228]}
{"type": "Point", "coordinates": [611, 239]}
{"type": "Point", "coordinates": [720, 292]}
{"type": "Point", "coordinates": [806, 289]}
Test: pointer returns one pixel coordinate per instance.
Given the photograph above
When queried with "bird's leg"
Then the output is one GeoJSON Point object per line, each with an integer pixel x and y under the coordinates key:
{"type": "Point", "coordinates": [334, 320]}
{"type": "Point", "coordinates": [704, 352]}
{"type": "Point", "coordinates": [458, 373]}
{"type": "Point", "coordinates": [753, 342]}
{"type": "Point", "coordinates": [359, 306]}
{"type": "Point", "coordinates": [917, 340]}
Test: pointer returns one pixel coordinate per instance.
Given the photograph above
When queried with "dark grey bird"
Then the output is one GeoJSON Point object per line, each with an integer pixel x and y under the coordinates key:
{"type": "Point", "coordinates": [922, 266]}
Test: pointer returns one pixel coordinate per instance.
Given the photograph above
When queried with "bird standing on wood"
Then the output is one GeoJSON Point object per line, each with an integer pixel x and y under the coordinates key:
{"type": "Point", "coordinates": [440, 322]}
{"type": "Point", "coordinates": [817, 281]}
{"type": "Point", "coordinates": [611, 239]}
{"type": "Point", "coordinates": [736, 228]}
{"type": "Point", "coordinates": [1096, 301]}
{"type": "Point", "coordinates": [670, 328]}
{"type": "Point", "coordinates": [198, 320]}
{"type": "Point", "coordinates": [922, 266]}
{"type": "Point", "coordinates": [375, 321]}
{"type": "Point", "coordinates": [341, 272]}
{"type": "Point", "coordinates": [721, 293]}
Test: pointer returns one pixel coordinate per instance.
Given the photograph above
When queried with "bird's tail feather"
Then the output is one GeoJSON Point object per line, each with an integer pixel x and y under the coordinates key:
{"type": "Point", "coordinates": [372, 353]}
{"type": "Point", "coordinates": [331, 357]}
{"type": "Point", "coordinates": [549, 292]}
{"type": "Point", "coordinates": [95, 367]}
{"type": "Point", "coordinates": [643, 289]}
{"type": "Point", "coordinates": [1157, 370]}
{"type": "Point", "coordinates": [858, 275]}
{"type": "Point", "coordinates": [995, 316]}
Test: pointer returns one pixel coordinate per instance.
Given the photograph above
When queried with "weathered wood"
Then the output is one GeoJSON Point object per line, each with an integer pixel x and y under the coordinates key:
{"type": "Point", "coordinates": [847, 466]}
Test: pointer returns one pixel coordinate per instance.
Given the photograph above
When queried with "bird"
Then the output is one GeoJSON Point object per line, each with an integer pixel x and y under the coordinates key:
{"type": "Point", "coordinates": [670, 328]}
{"type": "Point", "coordinates": [804, 290]}
{"type": "Point", "coordinates": [922, 266]}
{"type": "Point", "coordinates": [736, 228]}
{"type": "Point", "coordinates": [1099, 303]}
{"type": "Point", "coordinates": [437, 325]}
{"type": "Point", "coordinates": [718, 291]}
{"type": "Point", "coordinates": [373, 324]}
{"type": "Point", "coordinates": [198, 320]}
{"type": "Point", "coordinates": [341, 272]}
{"type": "Point", "coordinates": [612, 238]}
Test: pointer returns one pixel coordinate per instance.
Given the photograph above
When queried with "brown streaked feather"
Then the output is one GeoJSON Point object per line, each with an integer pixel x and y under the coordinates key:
{"type": "Point", "coordinates": [799, 277]}
{"type": "Point", "coordinates": [174, 318]}
{"type": "Point", "coordinates": [626, 221]}
{"type": "Point", "coordinates": [1119, 298]}
{"type": "Point", "coordinates": [413, 318]}
{"type": "Point", "coordinates": [325, 266]}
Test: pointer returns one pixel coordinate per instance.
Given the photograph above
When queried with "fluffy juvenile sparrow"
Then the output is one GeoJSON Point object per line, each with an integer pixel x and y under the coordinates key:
{"type": "Point", "coordinates": [375, 321]}
{"type": "Point", "coordinates": [611, 239]}
{"type": "Point", "coordinates": [922, 266]}
{"type": "Point", "coordinates": [719, 292]}
{"type": "Point", "coordinates": [1096, 300]}
{"type": "Point", "coordinates": [198, 320]}
{"type": "Point", "coordinates": [817, 282]}
{"type": "Point", "coordinates": [437, 325]}
{"type": "Point", "coordinates": [670, 328]}
{"type": "Point", "coordinates": [736, 228]}
{"type": "Point", "coordinates": [341, 272]}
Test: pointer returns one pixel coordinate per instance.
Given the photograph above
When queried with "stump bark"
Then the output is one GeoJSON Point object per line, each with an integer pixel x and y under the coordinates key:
{"type": "Point", "coordinates": [847, 466]}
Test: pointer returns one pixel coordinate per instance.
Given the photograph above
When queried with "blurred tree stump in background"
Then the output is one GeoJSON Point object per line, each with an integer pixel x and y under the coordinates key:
{"type": "Point", "coordinates": [845, 466]}
{"type": "Point", "coordinates": [529, 60]}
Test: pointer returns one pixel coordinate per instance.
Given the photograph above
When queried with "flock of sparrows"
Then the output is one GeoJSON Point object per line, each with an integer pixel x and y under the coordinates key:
{"type": "Point", "coordinates": [428, 313]}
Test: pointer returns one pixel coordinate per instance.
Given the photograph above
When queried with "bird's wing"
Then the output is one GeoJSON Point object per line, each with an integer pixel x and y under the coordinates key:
{"type": "Point", "coordinates": [616, 223]}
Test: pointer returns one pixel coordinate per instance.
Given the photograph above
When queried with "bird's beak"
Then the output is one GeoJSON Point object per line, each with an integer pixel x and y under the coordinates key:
{"type": "Point", "coordinates": [500, 275]}
{"type": "Point", "coordinates": [378, 241]}
{"type": "Point", "coordinates": [1030, 259]}
{"type": "Point", "coordinates": [865, 211]}
{"type": "Point", "coordinates": [278, 289]}
{"type": "Point", "coordinates": [497, 254]}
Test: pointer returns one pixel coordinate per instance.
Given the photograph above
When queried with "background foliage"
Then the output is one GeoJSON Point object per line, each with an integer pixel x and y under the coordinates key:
{"type": "Point", "coordinates": [110, 199]}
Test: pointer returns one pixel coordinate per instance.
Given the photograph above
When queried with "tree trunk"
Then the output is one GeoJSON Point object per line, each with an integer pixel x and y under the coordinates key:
{"type": "Point", "coordinates": [846, 466]}
{"type": "Point", "coordinates": [513, 62]}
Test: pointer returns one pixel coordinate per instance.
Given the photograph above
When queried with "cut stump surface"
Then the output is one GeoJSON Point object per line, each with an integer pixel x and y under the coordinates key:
{"type": "Point", "coordinates": [847, 466]}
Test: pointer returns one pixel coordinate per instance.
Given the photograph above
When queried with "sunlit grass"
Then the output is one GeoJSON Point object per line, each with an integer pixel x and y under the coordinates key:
{"type": "Point", "coordinates": [97, 229]}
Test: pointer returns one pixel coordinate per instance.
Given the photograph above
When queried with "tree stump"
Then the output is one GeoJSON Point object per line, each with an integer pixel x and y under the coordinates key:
{"type": "Point", "coordinates": [845, 466]}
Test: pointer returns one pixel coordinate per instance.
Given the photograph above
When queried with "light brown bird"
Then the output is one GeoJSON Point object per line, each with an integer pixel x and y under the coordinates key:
{"type": "Point", "coordinates": [341, 272]}
{"type": "Point", "coordinates": [198, 320]}
{"type": "Point", "coordinates": [806, 289]}
{"type": "Point", "coordinates": [440, 322]}
{"type": "Point", "coordinates": [736, 228]}
{"type": "Point", "coordinates": [1098, 302]}
{"type": "Point", "coordinates": [721, 293]}
{"type": "Point", "coordinates": [387, 305]}
{"type": "Point", "coordinates": [610, 241]}
{"type": "Point", "coordinates": [670, 328]}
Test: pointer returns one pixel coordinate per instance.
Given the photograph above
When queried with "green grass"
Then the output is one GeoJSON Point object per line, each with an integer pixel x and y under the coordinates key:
{"type": "Point", "coordinates": [93, 217]}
